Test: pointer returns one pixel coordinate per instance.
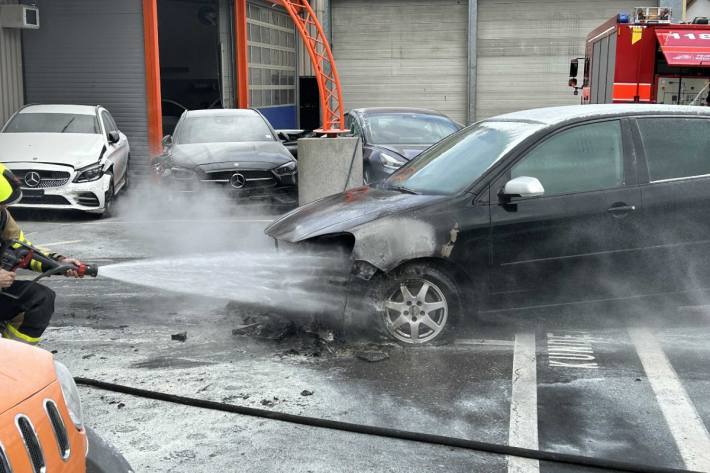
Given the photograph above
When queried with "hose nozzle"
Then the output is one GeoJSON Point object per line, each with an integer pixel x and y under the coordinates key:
{"type": "Point", "coordinates": [87, 270]}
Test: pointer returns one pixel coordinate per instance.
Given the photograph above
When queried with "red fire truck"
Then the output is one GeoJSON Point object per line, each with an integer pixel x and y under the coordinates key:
{"type": "Point", "coordinates": [646, 58]}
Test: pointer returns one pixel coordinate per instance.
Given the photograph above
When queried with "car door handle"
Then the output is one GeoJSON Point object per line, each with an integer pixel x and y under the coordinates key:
{"type": "Point", "coordinates": [619, 210]}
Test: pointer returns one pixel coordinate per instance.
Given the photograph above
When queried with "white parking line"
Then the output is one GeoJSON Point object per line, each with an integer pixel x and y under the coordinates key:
{"type": "Point", "coordinates": [523, 404]}
{"type": "Point", "coordinates": [690, 434]}
{"type": "Point", "coordinates": [57, 243]}
{"type": "Point", "coordinates": [484, 342]}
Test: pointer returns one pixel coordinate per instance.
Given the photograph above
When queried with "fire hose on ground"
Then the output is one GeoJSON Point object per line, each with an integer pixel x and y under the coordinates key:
{"type": "Point", "coordinates": [483, 447]}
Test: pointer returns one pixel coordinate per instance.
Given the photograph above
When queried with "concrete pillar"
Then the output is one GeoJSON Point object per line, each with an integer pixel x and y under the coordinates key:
{"type": "Point", "coordinates": [328, 166]}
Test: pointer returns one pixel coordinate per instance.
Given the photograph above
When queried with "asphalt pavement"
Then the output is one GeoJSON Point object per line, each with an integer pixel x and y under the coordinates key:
{"type": "Point", "coordinates": [624, 380]}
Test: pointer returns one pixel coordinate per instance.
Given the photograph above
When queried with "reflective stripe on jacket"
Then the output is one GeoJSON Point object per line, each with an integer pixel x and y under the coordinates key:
{"type": "Point", "coordinates": [10, 230]}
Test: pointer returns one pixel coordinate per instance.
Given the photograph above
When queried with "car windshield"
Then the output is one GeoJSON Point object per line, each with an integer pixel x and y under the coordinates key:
{"type": "Point", "coordinates": [52, 123]}
{"type": "Point", "coordinates": [456, 162]}
{"type": "Point", "coordinates": [222, 129]}
{"type": "Point", "coordinates": [407, 128]}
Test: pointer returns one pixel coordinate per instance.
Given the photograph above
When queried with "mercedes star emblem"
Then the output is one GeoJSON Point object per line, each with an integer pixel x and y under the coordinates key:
{"type": "Point", "coordinates": [237, 180]}
{"type": "Point", "coordinates": [32, 179]}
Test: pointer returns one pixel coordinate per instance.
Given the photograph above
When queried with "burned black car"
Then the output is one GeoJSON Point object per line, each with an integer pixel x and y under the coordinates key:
{"type": "Point", "coordinates": [236, 149]}
{"type": "Point", "coordinates": [563, 204]}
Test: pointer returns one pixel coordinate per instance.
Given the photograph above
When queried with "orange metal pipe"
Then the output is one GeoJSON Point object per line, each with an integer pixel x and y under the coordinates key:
{"type": "Point", "coordinates": [330, 90]}
{"type": "Point", "coordinates": [241, 49]}
{"type": "Point", "coordinates": [335, 120]}
{"type": "Point", "coordinates": [152, 76]}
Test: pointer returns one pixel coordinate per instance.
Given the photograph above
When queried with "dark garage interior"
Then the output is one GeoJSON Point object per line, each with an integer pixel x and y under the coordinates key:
{"type": "Point", "coordinates": [190, 59]}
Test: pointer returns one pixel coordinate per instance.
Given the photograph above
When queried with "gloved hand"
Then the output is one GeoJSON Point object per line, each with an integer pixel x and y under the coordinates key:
{"type": "Point", "coordinates": [6, 278]}
{"type": "Point", "coordinates": [75, 262]}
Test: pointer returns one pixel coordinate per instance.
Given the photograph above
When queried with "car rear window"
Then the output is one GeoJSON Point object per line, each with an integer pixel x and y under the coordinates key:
{"type": "Point", "coordinates": [408, 128]}
{"type": "Point", "coordinates": [52, 123]}
{"type": "Point", "coordinates": [676, 147]}
{"type": "Point", "coordinates": [222, 129]}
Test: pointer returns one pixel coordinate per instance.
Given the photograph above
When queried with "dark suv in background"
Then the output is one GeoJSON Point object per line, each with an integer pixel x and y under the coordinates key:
{"type": "Point", "coordinates": [563, 204]}
{"type": "Point", "coordinates": [394, 135]}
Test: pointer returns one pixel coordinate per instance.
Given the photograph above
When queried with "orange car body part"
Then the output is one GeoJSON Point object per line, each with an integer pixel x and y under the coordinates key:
{"type": "Point", "coordinates": [30, 399]}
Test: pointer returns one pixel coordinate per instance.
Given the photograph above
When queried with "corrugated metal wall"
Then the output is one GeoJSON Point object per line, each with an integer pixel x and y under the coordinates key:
{"type": "Point", "coordinates": [92, 52]}
{"type": "Point", "coordinates": [402, 53]}
{"type": "Point", "coordinates": [525, 46]}
{"type": "Point", "coordinates": [11, 91]}
{"type": "Point", "coordinates": [699, 8]}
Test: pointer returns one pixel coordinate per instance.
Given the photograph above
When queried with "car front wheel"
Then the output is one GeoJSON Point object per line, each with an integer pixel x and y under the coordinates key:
{"type": "Point", "coordinates": [108, 199]}
{"type": "Point", "coordinates": [418, 304]}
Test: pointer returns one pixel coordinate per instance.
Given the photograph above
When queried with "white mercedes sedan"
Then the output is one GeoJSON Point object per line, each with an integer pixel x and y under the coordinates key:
{"type": "Point", "coordinates": [66, 156]}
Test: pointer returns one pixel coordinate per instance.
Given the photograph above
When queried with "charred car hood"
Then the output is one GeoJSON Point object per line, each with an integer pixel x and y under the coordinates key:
{"type": "Point", "coordinates": [340, 213]}
{"type": "Point", "coordinates": [24, 371]}
{"type": "Point", "coordinates": [406, 151]}
{"type": "Point", "coordinates": [266, 154]}
{"type": "Point", "coordinates": [73, 149]}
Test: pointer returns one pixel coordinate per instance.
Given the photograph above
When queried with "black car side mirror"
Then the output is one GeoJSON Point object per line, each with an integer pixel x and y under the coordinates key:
{"type": "Point", "coordinates": [167, 141]}
{"type": "Point", "coordinates": [282, 136]}
{"type": "Point", "coordinates": [113, 137]}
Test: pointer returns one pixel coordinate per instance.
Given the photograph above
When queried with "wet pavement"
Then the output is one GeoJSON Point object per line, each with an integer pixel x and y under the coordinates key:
{"type": "Point", "coordinates": [626, 380]}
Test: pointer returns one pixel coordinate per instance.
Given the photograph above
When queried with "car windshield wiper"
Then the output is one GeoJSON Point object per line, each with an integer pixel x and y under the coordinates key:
{"type": "Point", "coordinates": [403, 189]}
{"type": "Point", "coordinates": [67, 125]}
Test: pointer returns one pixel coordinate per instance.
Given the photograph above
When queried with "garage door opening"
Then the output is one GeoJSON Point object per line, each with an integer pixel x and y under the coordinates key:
{"type": "Point", "coordinates": [309, 100]}
{"type": "Point", "coordinates": [195, 57]}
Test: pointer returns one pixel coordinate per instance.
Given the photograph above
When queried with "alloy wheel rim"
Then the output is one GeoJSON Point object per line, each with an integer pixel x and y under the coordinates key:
{"type": "Point", "coordinates": [416, 311]}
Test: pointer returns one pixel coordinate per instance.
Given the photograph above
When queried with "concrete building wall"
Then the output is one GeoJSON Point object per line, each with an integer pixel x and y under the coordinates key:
{"type": "Point", "coordinates": [11, 86]}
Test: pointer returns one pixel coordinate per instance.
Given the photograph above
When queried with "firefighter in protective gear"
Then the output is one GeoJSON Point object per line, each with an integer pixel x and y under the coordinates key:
{"type": "Point", "coordinates": [25, 319]}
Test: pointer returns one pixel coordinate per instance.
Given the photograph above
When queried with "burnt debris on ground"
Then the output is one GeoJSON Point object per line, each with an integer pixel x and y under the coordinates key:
{"type": "Point", "coordinates": [309, 338]}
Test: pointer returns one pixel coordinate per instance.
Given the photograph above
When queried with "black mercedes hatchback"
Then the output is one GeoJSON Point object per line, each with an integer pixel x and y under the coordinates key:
{"type": "Point", "coordinates": [541, 206]}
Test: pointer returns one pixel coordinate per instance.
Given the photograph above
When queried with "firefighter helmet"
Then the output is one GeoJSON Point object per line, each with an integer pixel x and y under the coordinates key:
{"type": "Point", "coordinates": [10, 192]}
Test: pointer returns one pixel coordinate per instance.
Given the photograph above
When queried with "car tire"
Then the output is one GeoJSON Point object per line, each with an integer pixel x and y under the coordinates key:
{"type": "Point", "coordinates": [108, 199]}
{"type": "Point", "coordinates": [365, 178]}
{"type": "Point", "coordinates": [103, 457]}
{"type": "Point", "coordinates": [126, 175]}
{"type": "Point", "coordinates": [416, 304]}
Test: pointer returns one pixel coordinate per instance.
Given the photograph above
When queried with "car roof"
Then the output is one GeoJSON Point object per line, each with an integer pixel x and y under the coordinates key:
{"type": "Point", "coordinates": [58, 108]}
{"type": "Point", "coordinates": [376, 110]}
{"type": "Point", "coordinates": [557, 115]}
{"type": "Point", "coordinates": [221, 112]}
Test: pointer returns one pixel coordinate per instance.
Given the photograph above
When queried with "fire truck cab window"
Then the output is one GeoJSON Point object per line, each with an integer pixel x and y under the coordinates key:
{"type": "Point", "coordinates": [584, 158]}
{"type": "Point", "coordinates": [676, 147]}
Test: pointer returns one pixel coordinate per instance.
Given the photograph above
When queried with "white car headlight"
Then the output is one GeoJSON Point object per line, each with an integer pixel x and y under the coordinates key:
{"type": "Point", "coordinates": [392, 162]}
{"type": "Point", "coordinates": [286, 169]}
{"type": "Point", "coordinates": [71, 394]}
{"type": "Point", "coordinates": [90, 173]}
